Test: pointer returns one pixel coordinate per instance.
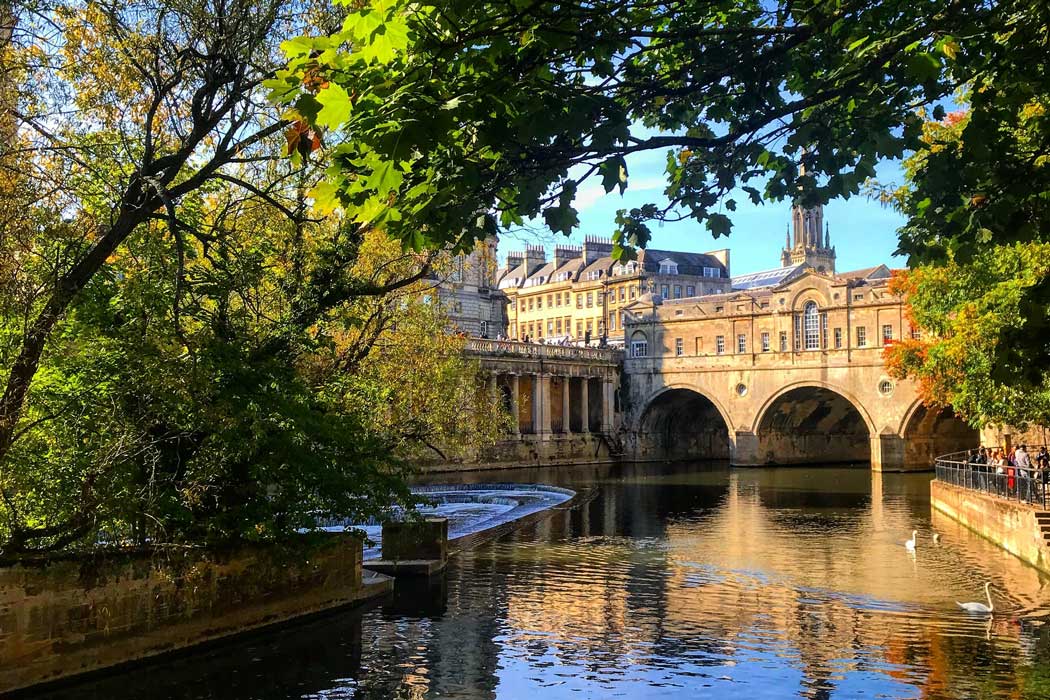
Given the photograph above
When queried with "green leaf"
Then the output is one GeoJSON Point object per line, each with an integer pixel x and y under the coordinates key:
{"type": "Point", "coordinates": [335, 106]}
{"type": "Point", "coordinates": [385, 178]}
{"type": "Point", "coordinates": [614, 174]}
{"type": "Point", "coordinates": [719, 225]}
{"type": "Point", "coordinates": [326, 197]}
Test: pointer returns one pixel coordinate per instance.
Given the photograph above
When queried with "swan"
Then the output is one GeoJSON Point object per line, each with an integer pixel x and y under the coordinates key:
{"type": "Point", "coordinates": [980, 607]}
{"type": "Point", "coordinates": [936, 537]}
{"type": "Point", "coordinates": [910, 544]}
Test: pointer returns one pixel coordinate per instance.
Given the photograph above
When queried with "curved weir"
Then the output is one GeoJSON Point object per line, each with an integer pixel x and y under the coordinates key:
{"type": "Point", "coordinates": [470, 508]}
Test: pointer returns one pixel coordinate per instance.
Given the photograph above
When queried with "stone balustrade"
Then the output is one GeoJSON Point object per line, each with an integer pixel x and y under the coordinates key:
{"type": "Point", "coordinates": [485, 346]}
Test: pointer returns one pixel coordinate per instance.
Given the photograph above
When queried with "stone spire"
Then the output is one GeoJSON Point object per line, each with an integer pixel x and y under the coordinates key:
{"type": "Point", "coordinates": [808, 245]}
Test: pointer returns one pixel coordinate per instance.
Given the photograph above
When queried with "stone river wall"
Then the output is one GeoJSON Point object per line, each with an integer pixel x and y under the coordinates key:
{"type": "Point", "coordinates": [1009, 524]}
{"type": "Point", "coordinates": [66, 616]}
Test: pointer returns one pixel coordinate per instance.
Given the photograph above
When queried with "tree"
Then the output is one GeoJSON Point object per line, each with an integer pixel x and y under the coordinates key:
{"type": "Point", "coordinates": [450, 108]}
{"type": "Point", "coordinates": [976, 198]}
{"type": "Point", "coordinates": [176, 327]}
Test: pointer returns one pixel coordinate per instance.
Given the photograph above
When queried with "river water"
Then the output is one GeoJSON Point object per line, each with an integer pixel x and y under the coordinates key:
{"type": "Point", "coordinates": [681, 581]}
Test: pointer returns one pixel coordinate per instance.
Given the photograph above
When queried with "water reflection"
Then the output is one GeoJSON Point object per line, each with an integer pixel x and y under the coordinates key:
{"type": "Point", "coordinates": [671, 582]}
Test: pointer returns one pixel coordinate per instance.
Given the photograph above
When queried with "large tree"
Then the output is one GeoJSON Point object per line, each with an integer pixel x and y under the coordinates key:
{"type": "Point", "coordinates": [977, 199]}
{"type": "Point", "coordinates": [454, 107]}
{"type": "Point", "coordinates": [187, 353]}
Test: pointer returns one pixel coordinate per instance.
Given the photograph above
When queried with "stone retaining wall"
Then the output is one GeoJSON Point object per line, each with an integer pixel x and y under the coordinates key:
{"type": "Point", "coordinates": [65, 616]}
{"type": "Point", "coordinates": [1009, 524]}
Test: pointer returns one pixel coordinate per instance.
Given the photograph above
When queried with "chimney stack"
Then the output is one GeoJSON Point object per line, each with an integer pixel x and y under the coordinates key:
{"type": "Point", "coordinates": [514, 259]}
{"type": "Point", "coordinates": [535, 256]}
{"type": "Point", "coordinates": [595, 247]}
{"type": "Point", "coordinates": [565, 253]}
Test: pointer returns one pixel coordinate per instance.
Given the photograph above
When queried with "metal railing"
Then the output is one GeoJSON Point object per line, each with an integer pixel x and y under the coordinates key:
{"type": "Point", "coordinates": [484, 346]}
{"type": "Point", "coordinates": [1027, 485]}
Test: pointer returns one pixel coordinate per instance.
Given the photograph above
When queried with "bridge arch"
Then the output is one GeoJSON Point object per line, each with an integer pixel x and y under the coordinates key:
{"type": "Point", "coordinates": [931, 432]}
{"type": "Point", "coordinates": [813, 423]}
{"type": "Point", "coordinates": [681, 422]}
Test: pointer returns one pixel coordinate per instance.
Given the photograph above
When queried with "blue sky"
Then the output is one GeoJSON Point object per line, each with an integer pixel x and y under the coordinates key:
{"type": "Point", "coordinates": [862, 231]}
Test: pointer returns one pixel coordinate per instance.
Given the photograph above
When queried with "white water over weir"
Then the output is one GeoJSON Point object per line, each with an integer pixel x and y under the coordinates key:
{"type": "Point", "coordinates": [469, 508]}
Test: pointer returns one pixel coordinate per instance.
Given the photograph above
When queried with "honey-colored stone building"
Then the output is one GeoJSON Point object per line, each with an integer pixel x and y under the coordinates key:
{"type": "Point", "coordinates": [785, 368]}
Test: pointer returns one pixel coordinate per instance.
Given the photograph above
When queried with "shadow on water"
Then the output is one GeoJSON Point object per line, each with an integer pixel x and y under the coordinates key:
{"type": "Point", "coordinates": [673, 581]}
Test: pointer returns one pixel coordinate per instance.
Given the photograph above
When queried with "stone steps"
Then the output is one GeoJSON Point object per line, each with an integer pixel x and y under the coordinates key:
{"type": "Point", "coordinates": [1043, 518]}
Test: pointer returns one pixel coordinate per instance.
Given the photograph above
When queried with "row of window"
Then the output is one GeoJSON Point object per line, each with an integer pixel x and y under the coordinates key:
{"type": "Point", "coordinates": [583, 300]}
{"type": "Point", "coordinates": [558, 327]}
{"type": "Point", "coordinates": [809, 339]}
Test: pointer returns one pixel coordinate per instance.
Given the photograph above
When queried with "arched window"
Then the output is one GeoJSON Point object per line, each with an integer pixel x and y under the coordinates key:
{"type": "Point", "coordinates": [639, 344]}
{"type": "Point", "coordinates": [811, 326]}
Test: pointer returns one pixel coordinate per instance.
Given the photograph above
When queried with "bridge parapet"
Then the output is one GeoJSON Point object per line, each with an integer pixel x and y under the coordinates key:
{"type": "Point", "coordinates": [488, 347]}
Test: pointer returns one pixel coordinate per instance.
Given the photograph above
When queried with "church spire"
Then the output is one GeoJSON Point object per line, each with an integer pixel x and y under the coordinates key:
{"type": "Point", "coordinates": [807, 245]}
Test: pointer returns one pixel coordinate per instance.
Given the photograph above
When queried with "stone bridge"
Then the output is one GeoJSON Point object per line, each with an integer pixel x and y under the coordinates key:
{"type": "Point", "coordinates": [762, 408]}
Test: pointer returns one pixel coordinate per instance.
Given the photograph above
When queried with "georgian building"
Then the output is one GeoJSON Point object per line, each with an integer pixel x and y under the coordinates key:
{"type": "Point", "coordinates": [581, 293]}
{"type": "Point", "coordinates": [469, 294]}
{"type": "Point", "coordinates": [801, 307]}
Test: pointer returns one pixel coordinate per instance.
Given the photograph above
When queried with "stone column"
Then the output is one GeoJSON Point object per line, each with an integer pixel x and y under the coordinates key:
{"type": "Point", "coordinates": [566, 426]}
{"type": "Point", "coordinates": [514, 412]}
{"type": "Point", "coordinates": [543, 405]}
{"type": "Point", "coordinates": [585, 409]}
{"type": "Point", "coordinates": [607, 407]}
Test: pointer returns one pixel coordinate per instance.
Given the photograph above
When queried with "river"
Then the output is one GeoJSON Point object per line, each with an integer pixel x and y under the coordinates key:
{"type": "Point", "coordinates": [669, 581]}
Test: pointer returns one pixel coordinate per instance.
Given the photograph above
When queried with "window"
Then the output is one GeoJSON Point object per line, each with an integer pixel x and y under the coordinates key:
{"type": "Point", "coordinates": [590, 300]}
{"type": "Point", "coordinates": [557, 325]}
{"type": "Point", "coordinates": [719, 309]}
{"type": "Point", "coordinates": [783, 341]}
{"type": "Point", "coordinates": [811, 325]}
{"type": "Point", "coordinates": [530, 303]}
{"type": "Point", "coordinates": [634, 292]}
{"type": "Point", "coordinates": [690, 291]}
{"type": "Point", "coordinates": [838, 338]}
{"type": "Point", "coordinates": [668, 267]}
{"type": "Point", "coordinates": [623, 318]}
{"type": "Point", "coordinates": [539, 302]}
{"type": "Point", "coordinates": [720, 344]}
{"type": "Point", "coordinates": [550, 300]}
{"type": "Point", "coordinates": [862, 337]}
{"type": "Point", "coordinates": [639, 348]}
{"type": "Point", "coordinates": [568, 297]}
{"type": "Point", "coordinates": [521, 305]}
{"type": "Point", "coordinates": [557, 300]}
{"type": "Point", "coordinates": [765, 341]}
{"type": "Point", "coordinates": [764, 304]}
{"type": "Point", "coordinates": [858, 297]}
{"type": "Point", "coordinates": [612, 322]}
{"type": "Point", "coordinates": [601, 327]}
{"type": "Point", "coordinates": [612, 296]}
{"type": "Point", "coordinates": [887, 334]}
{"type": "Point", "coordinates": [678, 291]}
{"type": "Point", "coordinates": [539, 329]}
{"type": "Point", "coordinates": [712, 272]}
{"type": "Point", "coordinates": [665, 291]}
{"type": "Point", "coordinates": [579, 301]}
{"type": "Point", "coordinates": [579, 329]}
{"type": "Point", "coordinates": [916, 334]}
{"type": "Point", "coordinates": [623, 293]}
{"type": "Point", "coordinates": [590, 326]}
{"type": "Point", "coordinates": [741, 343]}
{"type": "Point", "coordinates": [679, 347]}
{"type": "Point", "coordinates": [457, 307]}
{"type": "Point", "coordinates": [550, 327]}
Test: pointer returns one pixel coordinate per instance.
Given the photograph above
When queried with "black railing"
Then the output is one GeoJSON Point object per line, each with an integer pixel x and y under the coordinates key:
{"type": "Point", "coordinates": [1025, 484]}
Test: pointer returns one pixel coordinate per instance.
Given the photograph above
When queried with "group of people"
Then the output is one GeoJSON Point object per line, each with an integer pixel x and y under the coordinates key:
{"type": "Point", "coordinates": [1009, 461]}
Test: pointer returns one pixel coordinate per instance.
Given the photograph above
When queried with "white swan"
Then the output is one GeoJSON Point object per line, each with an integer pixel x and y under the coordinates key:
{"type": "Point", "coordinates": [936, 537]}
{"type": "Point", "coordinates": [910, 544]}
{"type": "Point", "coordinates": [980, 607]}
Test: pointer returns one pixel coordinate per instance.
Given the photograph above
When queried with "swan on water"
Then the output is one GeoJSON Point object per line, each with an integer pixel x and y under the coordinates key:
{"type": "Point", "coordinates": [980, 607]}
{"type": "Point", "coordinates": [936, 537]}
{"type": "Point", "coordinates": [910, 544]}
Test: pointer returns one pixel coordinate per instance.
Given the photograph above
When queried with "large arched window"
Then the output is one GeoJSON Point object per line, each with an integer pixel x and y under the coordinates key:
{"type": "Point", "coordinates": [639, 344]}
{"type": "Point", "coordinates": [811, 326]}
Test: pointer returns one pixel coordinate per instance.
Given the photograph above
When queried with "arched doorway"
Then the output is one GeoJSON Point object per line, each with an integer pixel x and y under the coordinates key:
{"type": "Point", "coordinates": [683, 424]}
{"type": "Point", "coordinates": [813, 425]}
{"type": "Point", "coordinates": [931, 432]}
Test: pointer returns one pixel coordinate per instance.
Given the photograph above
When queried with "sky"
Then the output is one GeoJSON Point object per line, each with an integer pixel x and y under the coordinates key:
{"type": "Point", "coordinates": [863, 231]}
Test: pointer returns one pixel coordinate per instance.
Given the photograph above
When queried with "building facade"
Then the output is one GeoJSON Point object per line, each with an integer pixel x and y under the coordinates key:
{"type": "Point", "coordinates": [469, 293]}
{"type": "Point", "coordinates": [581, 293]}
